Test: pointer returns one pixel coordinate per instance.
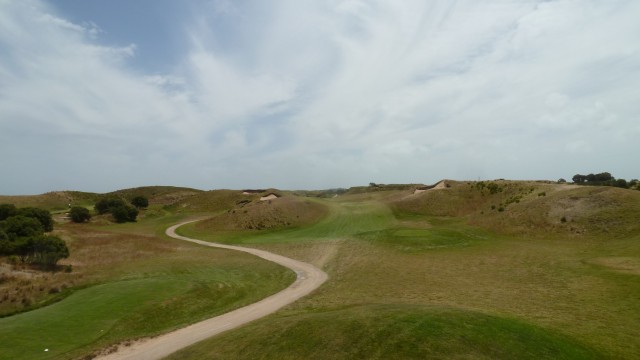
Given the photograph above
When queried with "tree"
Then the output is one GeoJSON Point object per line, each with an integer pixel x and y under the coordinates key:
{"type": "Point", "coordinates": [621, 183]}
{"type": "Point", "coordinates": [579, 179]}
{"type": "Point", "coordinates": [46, 250]}
{"type": "Point", "coordinates": [7, 210]}
{"type": "Point", "coordinates": [21, 226]}
{"type": "Point", "coordinates": [42, 215]}
{"type": "Point", "coordinates": [124, 213]}
{"type": "Point", "coordinates": [79, 214]}
{"type": "Point", "coordinates": [562, 181]}
{"type": "Point", "coordinates": [140, 202]}
{"type": "Point", "coordinates": [106, 205]}
{"type": "Point", "coordinates": [603, 177]}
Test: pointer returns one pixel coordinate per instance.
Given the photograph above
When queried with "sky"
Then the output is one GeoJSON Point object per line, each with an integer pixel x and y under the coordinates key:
{"type": "Point", "coordinates": [298, 94]}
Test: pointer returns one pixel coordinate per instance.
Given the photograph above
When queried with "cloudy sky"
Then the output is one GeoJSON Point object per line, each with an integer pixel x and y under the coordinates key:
{"type": "Point", "coordinates": [102, 95]}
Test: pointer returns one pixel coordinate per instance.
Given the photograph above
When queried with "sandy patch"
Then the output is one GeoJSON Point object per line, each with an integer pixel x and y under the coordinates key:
{"type": "Point", "coordinates": [627, 265]}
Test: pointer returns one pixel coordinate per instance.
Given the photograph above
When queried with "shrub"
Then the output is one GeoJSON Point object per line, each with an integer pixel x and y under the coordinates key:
{"type": "Point", "coordinates": [124, 213]}
{"type": "Point", "coordinates": [106, 205]}
{"type": "Point", "coordinates": [79, 214]}
{"type": "Point", "coordinates": [494, 188]}
{"type": "Point", "coordinates": [21, 226]}
{"type": "Point", "coordinates": [140, 202]}
{"type": "Point", "coordinates": [42, 215]}
{"type": "Point", "coordinates": [7, 210]}
{"type": "Point", "coordinates": [46, 250]}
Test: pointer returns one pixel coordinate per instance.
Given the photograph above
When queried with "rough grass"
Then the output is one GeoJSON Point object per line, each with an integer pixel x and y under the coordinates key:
{"type": "Point", "coordinates": [158, 195]}
{"type": "Point", "coordinates": [284, 212]}
{"type": "Point", "coordinates": [390, 332]}
{"type": "Point", "coordinates": [532, 208]}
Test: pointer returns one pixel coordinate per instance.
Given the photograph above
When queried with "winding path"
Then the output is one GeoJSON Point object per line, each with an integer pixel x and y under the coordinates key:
{"type": "Point", "coordinates": [308, 279]}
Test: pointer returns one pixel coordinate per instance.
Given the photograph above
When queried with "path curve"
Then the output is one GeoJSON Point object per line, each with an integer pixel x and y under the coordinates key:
{"type": "Point", "coordinates": [308, 279]}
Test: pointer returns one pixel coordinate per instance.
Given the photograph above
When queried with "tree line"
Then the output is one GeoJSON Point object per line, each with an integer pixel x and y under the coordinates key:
{"type": "Point", "coordinates": [121, 210]}
{"type": "Point", "coordinates": [605, 179]}
{"type": "Point", "coordinates": [23, 235]}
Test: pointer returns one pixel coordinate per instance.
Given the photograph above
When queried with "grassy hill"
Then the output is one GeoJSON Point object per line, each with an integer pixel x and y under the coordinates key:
{"type": "Point", "coordinates": [60, 200]}
{"type": "Point", "coordinates": [252, 214]}
{"type": "Point", "coordinates": [479, 270]}
{"type": "Point", "coordinates": [532, 208]}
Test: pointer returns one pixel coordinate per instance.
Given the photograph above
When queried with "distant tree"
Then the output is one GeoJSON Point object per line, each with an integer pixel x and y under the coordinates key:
{"type": "Point", "coordinates": [21, 226]}
{"type": "Point", "coordinates": [579, 179]}
{"type": "Point", "coordinates": [79, 214]}
{"type": "Point", "coordinates": [7, 210]}
{"type": "Point", "coordinates": [562, 181]}
{"type": "Point", "coordinates": [124, 213]}
{"type": "Point", "coordinates": [42, 215]}
{"type": "Point", "coordinates": [621, 183]}
{"type": "Point", "coordinates": [140, 202]}
{"type": "Point", "coordinates": [603, 177]}
{"type": "Point", "coordinates": [104, 206]}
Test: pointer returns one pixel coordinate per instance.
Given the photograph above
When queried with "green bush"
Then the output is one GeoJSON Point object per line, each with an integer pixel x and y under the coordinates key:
{"type": "Point", "coordinates": [79, 214]}
{"type": "Point", "coordinates": [106, 205]}
{"type": "Point", "coordinates": [46, 250]}
{"type": "Point", "coordinates": [124, 213]}
{"type": "Point", "coordinates": [21, 226]}
{"type": "Point", "coordinates": [140, 202]}
{"type": "Point", "coordinates": [7, 210]}
{"type": "Point", "coordinates": [42, 215]}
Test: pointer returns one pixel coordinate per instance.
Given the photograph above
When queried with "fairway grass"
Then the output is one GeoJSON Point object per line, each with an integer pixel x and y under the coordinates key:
{"type": "Point", "coordinates": [389, 332]}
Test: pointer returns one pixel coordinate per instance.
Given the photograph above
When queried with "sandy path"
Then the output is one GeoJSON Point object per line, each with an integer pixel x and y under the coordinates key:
{"type": "Point", "coordinates": [308, 279]}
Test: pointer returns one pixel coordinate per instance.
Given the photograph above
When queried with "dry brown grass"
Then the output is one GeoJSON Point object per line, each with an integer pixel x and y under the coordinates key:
{"type": "Point", "coordinates": [95, 257]}
{"type": "Point", "coordinates": [284, 212]}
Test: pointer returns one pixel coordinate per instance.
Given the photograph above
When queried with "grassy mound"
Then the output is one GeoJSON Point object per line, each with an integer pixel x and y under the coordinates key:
{"type": "Point", "coordinates": [389, 332]}
{"type": "Point", "coordinates": [284, 212]}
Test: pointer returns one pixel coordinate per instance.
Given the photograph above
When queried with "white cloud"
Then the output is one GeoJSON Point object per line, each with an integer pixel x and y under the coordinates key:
{"type": "Point", "coordinates": [322, 94]}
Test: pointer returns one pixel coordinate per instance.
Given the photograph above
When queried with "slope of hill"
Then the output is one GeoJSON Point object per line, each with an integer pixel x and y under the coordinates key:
{"type": "Point", "coordinates": [60, 200]}
{"type": "Point", "coordinates": [530, 207]}
{"type": "Point", "coordinates": [158, 195]}
{"type": "Point", "coordinates": [252, 214]}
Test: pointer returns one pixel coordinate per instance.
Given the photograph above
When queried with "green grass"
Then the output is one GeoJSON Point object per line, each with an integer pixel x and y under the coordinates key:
{"type": "Point", "coordinates": [345, 219]}
{"type": "Point", "coordinates": [390, 332]}
{"type": "Point", "coordinates": [435, 275]}
{"type": "Point", "coordinates": [136, 284]}
{"type": "Point", "coordinates": [120, 310]}
{"type": "Point", "coordinates": [418, 240]}
{"type": "Point", "coordinates": [382, 254]}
